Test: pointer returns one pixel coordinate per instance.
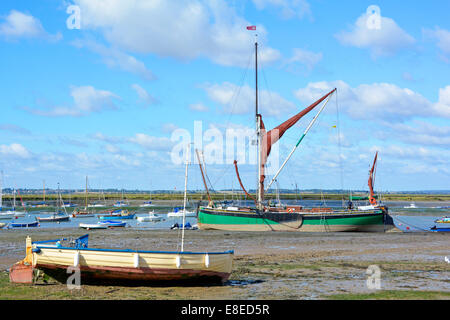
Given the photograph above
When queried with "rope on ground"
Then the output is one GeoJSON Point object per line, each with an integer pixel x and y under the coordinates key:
{"type": "Point", "coordinates": [410, 225]}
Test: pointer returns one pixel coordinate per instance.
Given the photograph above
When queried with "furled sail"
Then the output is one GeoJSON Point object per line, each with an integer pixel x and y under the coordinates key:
{"type": "Point", "coordinates": [372, 199]}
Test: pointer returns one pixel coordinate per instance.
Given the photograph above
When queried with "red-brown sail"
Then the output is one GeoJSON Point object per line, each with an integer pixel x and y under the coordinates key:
{"type": "Point", "coordinates": [372, 199]}
{"type": "Point", "coordinates": [269, 138]}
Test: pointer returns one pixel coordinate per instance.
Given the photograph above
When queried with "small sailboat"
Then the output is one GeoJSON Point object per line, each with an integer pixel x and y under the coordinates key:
{"type": "Point", "coordinates": [13, 213]}
{"type": "Point", "coordinates": [150, 217]}
{"type": "Point", "coordinates": [117, 214]}
{"type": "Point", "coordinates": [441, 225]}
{"type": "Point", "coordinates": [112, 223]}
{"type": "Point", "coordinates": [182, 211]}
{"type": "Point", "coordinates": [79, 213]}
{"type": "Point", "coordinates": [146, 204]}
{"type": "Point", "coordinates": [178, 212]}
{"type": "Point", "coordinates": [42, 203]}
{"type": "Point", "coordinates": [92, 226]}
{"type": "Point", "coordinates": [59, 215]}
{"type": "Point", "coordinates": [120, 203]}
{"type": "Point", "coordinates": [98, 204]}
{"type": "Point", "coordinates": [9, 214]}
{"type": "Point", "coordinates": [412, 205]}
{"type": "Point", "coordinates": [13, 225]}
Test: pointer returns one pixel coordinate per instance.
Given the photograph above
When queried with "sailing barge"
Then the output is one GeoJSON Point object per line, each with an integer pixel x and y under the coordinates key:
{"type": "Point", "coordinates": [289, 218]}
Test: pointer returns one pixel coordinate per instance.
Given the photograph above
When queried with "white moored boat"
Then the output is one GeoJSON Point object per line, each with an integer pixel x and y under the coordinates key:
{"type": "Point", "coordinates": [151, 217]}
{"type": "Point", "coordinates": [179, 212]}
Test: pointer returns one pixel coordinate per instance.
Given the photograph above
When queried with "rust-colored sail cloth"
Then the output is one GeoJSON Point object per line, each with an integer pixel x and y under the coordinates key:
{"type": "Point", "coordinates": [370, 182]}
{"type": "Point", "coordinates": [269, 138]}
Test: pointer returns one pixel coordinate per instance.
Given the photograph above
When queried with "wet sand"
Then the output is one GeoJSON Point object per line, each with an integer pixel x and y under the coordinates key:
{"type": "Point", "coordinates": [267, 265]}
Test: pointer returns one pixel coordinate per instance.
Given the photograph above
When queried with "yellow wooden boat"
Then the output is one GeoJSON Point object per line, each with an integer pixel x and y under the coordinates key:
{"type": "Point", "coordinates": [54, 257]}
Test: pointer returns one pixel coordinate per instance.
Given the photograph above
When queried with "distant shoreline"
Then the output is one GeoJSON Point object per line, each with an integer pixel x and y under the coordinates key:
{"type": "Point", "coordinates": [96, 197]}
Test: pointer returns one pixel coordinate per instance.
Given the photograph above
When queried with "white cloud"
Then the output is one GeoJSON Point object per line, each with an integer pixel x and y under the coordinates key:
{"type": "Point", "coordinates": [307, 58]}
{"type": "Point", "coordinates": [115, 58]}
{"type": "Point", "coordinates": [418, 133]}
{"type": "Point", "coordinates": [379, 101]}
{"type": "Point", "coordinates": [100, 136]}
{"type": "Point", "coordinates": [86, 100]}
{"type": "Point", "coordinates": [144, 96]}
{"type": "Point", "coordinates": [442, 107]}
{"type": "Point", "coordinates": [152, 143]}
{"type": "Point", "coordinates": [289, 8]}
{"type": "Point", "coordinates": [383, 41]}
{"type": "Point", "coordinates": [183, 29]}
{"type": "Point", "coordinates": [199, 107]}
{"type": "Point", "coordinates": [169, 127]}
{"type": "Point", "coordinates": [22, 25]}
{"type": "Point", "coordinates": [443, 40]}
{"type": "Point", "coordinates": [237, 100]}
{"type": "Point", "coordinates": [14, 150]}
{"type": "Point", "coordinates": [14, 128]}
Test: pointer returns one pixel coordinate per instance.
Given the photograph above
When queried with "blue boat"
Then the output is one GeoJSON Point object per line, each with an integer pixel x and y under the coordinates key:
{"type": "Point", "coordinates": [23, 225]}
{"type": "Point", "coordinates": [112, 223]}
{"type": "Point", "coordinates": [118, 217]}
{"type": "Point", "coordinates": [120, 204]}
{"type": "Point", "coordinates": [441, 228]}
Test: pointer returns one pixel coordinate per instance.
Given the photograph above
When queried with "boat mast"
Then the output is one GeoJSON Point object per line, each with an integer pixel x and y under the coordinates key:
{"type": "Point", "coordinates": [260, 184]}
{"type": "Point", "coordinates": [210, 203]}
{"type": "Point", "coordinates": [86, 194]}
{"type": "Point", "coordinates": [1, 190]}
{"type": "Point", "coordinates": [185, 195]}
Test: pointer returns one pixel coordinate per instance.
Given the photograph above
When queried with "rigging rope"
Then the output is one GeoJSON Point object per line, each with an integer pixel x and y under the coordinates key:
{"type": "Point", "coordinates": [340, 149]}
{"type": "Point", "coordinates": [408, 224]}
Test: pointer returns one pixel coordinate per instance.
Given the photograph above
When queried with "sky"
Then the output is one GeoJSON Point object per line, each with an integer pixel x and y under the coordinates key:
{"type": "Point", "coordinates": [115, 90]}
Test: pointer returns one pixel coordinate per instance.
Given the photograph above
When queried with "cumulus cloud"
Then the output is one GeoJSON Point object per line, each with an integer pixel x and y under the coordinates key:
{"type": "Point", "coordinates": [289, 8]}
{"type": "Point", "coordinates": [86, 100]}
{"type": "Point", "coordinates": [306, 58]}
{"type": "Point", "coordinates": [151, 143]}
{"type": "Point", "coordinates": [418, 133]}
{"type": "Point", "coordinates": [144, 97]}
{"type": "Point", "coordinates": [21, 25]}
{"type": "Point", "coordinates": [115, 58]}
{"type": "Point", "coordinates": [183, 29]}
{"type": "Point", "coordinates": [241, 100]}
{"type": "Point", "coordinates": [443, 41]}
{"type": "Point", "coordinates": [386, 40]}
{"type": "Point", "coordinates": [14, 128]}
{"type": "Point", "coordinates": [15, 150]}
{"type": "Point", "coordinates": [199, 107]}
{"type": "Point", "coordinates": [379, 101]}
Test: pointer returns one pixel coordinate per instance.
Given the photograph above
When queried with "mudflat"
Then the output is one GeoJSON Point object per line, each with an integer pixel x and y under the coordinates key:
{"type": "Point", "coordinates": [267, 265]}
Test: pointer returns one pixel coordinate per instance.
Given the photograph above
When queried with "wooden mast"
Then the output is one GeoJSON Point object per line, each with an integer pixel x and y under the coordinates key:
{"type": "Point", "coordinates": [260, 182]}
{"type": "Point", "coordinates": [210, 204]}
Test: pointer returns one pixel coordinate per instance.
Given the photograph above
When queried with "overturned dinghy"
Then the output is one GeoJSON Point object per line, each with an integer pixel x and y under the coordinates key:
{"type": "Point", "coordinates": [100, 266]}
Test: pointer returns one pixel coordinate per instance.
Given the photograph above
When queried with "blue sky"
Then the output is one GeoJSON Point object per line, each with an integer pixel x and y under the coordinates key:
{"type": "Point", "coordinates": [104, 100]}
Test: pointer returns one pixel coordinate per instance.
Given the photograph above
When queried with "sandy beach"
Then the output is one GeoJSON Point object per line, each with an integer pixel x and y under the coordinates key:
{"type": "Point", "coordinates": [267, 265]}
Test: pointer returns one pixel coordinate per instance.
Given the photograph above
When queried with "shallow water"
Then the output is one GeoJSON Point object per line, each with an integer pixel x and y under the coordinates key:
{"type": "Point", "coordinates": [406, 219]}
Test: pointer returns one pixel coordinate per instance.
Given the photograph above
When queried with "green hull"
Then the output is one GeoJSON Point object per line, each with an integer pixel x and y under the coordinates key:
{"type": "Point", "coordinates": [337, 221]}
